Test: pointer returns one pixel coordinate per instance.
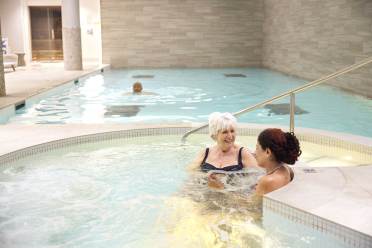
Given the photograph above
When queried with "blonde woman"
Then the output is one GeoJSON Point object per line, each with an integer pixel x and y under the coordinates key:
{"type": "Point", "coordinates": [225, 155]}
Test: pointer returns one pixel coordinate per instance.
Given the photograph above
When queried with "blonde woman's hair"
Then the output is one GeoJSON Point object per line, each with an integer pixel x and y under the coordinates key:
{"type": "Point", "coordinates": [220, 121]}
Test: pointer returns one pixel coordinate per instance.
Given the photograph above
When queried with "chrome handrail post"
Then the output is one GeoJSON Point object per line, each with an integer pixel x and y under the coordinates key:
{"type": "Point", "coordinates": [292, 111]}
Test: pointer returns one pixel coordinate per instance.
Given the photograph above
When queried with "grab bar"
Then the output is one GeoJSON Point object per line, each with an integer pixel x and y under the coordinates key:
{"type": "Point", "coordinates": [292, 94]}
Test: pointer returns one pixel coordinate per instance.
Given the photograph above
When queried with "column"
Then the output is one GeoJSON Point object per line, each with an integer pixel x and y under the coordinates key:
{"type": "Point", "coordinates": [71, 35]}
{"type": "Point", "coordinates": [2, 79]}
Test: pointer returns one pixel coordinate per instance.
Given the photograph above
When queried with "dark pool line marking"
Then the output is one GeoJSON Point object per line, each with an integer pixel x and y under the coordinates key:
{"type": "Point", "coordinates": [309, 170]}
{"type": "Point", "coordinates": [235, 75]}
{"type": "Point", "coordinates": [19, 105]}
{"type": "Point", "coordinates": [143, 76]}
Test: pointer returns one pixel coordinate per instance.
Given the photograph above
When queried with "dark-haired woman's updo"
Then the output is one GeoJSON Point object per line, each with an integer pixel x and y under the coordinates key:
{"type": "Point", "coordinates": [284, 146]}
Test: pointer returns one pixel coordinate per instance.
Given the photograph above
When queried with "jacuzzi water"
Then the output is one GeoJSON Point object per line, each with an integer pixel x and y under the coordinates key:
{"type": "Point", "coordinates": [131, 193]}
{"type": "Point", "coordinates": [191, 95]}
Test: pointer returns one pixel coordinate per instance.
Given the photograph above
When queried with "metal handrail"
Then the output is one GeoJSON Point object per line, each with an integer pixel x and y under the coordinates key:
{"type": "Point", "coordinates": [292, 93]}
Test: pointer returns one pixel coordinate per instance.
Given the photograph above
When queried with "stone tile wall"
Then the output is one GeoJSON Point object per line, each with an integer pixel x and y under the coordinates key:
{"type": "Point", "coordinates": [313, 38]}
{"type": "Point", "coordinates": [182, 33]}
{"type": "Point", "coordinates": [304, 38]}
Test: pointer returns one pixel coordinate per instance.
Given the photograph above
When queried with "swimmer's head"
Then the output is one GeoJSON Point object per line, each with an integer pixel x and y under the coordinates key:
{"type": "Point", "coordinates": [137, 87]}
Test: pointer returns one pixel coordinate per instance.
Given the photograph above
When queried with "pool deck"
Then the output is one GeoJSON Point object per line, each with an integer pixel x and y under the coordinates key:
{"type": "Point", "coordinates": [339, 195]}
{"type": "Point", "coordinates": [36, 78]}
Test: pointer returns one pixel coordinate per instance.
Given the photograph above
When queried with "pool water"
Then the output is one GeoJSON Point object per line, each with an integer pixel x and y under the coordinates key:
{"type": "Point", "coordinates": [110, 194]}
{"type": "Point", "coordinates": [128, 193]}
{"type": "Point", "coordinates": [190, 95]}
{"type": "Point", "coordinates": [294, 234]}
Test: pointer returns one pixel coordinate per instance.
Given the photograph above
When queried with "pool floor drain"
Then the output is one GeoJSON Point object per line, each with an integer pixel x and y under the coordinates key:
{"type": "Point", "coordinates": [143, 76]}
{"type": "Point", "coordinates": [309, 170]}
{"type": "Point", "coordinates": [235, 75]}
{"type": "Point", "coordinates": [283, 109]}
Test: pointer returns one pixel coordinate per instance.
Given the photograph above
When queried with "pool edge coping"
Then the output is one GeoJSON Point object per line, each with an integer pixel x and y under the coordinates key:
{"type": "Point", "coordinates": [8, 108]}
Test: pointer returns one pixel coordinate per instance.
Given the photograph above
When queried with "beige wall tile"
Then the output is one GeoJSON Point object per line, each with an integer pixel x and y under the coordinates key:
{"type": "Point", "coordinates": [187, 33]}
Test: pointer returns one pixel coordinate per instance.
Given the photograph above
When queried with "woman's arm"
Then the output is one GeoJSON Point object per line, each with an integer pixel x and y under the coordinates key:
{"type": "Point", "coordinates": [261, 187]}
{"type": "Point", "coordinates": [195, 164]}
{"type": "Point", "coordinates": [248, 159]}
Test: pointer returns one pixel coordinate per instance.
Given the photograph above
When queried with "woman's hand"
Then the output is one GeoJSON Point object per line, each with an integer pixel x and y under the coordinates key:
{"type": "Point", "coordinates": [214, 182]}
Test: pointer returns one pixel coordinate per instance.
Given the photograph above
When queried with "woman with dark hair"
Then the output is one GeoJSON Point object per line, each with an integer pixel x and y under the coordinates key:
{"type": "Point", "coordinates": [274, 150]}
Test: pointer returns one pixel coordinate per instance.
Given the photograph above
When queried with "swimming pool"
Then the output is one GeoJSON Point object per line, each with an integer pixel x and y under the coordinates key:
{"type": "Point", "coordinates": [190, 95]}
{"type": "Point", "coordinates": [129, 192]}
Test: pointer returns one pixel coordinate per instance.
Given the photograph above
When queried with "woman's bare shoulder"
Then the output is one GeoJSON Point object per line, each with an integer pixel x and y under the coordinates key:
{"type": "Point", "coordinates": [265, 185]}
{"type": "Point", "coordinates": [266, 180]}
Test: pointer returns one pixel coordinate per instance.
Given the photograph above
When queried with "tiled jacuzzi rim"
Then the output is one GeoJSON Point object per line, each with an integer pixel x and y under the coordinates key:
{"type": "Point", "coordinates": [342, 233]}
{"type": "Point", "coordinates": [319, 139]}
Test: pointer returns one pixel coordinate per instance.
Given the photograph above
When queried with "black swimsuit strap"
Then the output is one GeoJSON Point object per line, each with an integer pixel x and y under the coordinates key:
{"type": "Point", "coordinates": [205, 156]}
{"type": "Point", "coordinates": [240, 159]}
{"type": "Point", "coordinates": [290, 172]}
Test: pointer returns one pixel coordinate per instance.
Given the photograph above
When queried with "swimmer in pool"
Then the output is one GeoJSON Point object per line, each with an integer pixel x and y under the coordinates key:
{"type": "Point", "coordinates": [137, 90]}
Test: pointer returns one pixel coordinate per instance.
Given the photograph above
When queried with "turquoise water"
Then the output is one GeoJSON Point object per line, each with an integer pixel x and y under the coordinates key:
{"type": "Point", "coordinates": [291, 234]}
{"type": "Point", "coordinates": [189, 95]}
{"type": "Point", "coordinates": [136, 193]}
{"type": "Point", "coordinates": [123, 193]}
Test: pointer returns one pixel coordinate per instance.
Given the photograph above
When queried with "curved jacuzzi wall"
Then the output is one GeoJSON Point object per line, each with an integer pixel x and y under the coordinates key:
{"type": "Point", "coordinates": [275, 204]}
{"type": "Point", "coordinates": [329, 141]}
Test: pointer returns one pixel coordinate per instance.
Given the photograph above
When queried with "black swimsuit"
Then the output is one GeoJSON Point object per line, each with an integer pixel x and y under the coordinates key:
{"type": "Point", "coordinates": [205, 167]}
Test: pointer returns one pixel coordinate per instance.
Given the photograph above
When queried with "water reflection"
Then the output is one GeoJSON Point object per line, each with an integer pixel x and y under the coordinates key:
{"type": "Point", "coordinates": [199, 216]}
{"type": "Point", "coordinates": [122, 110]}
